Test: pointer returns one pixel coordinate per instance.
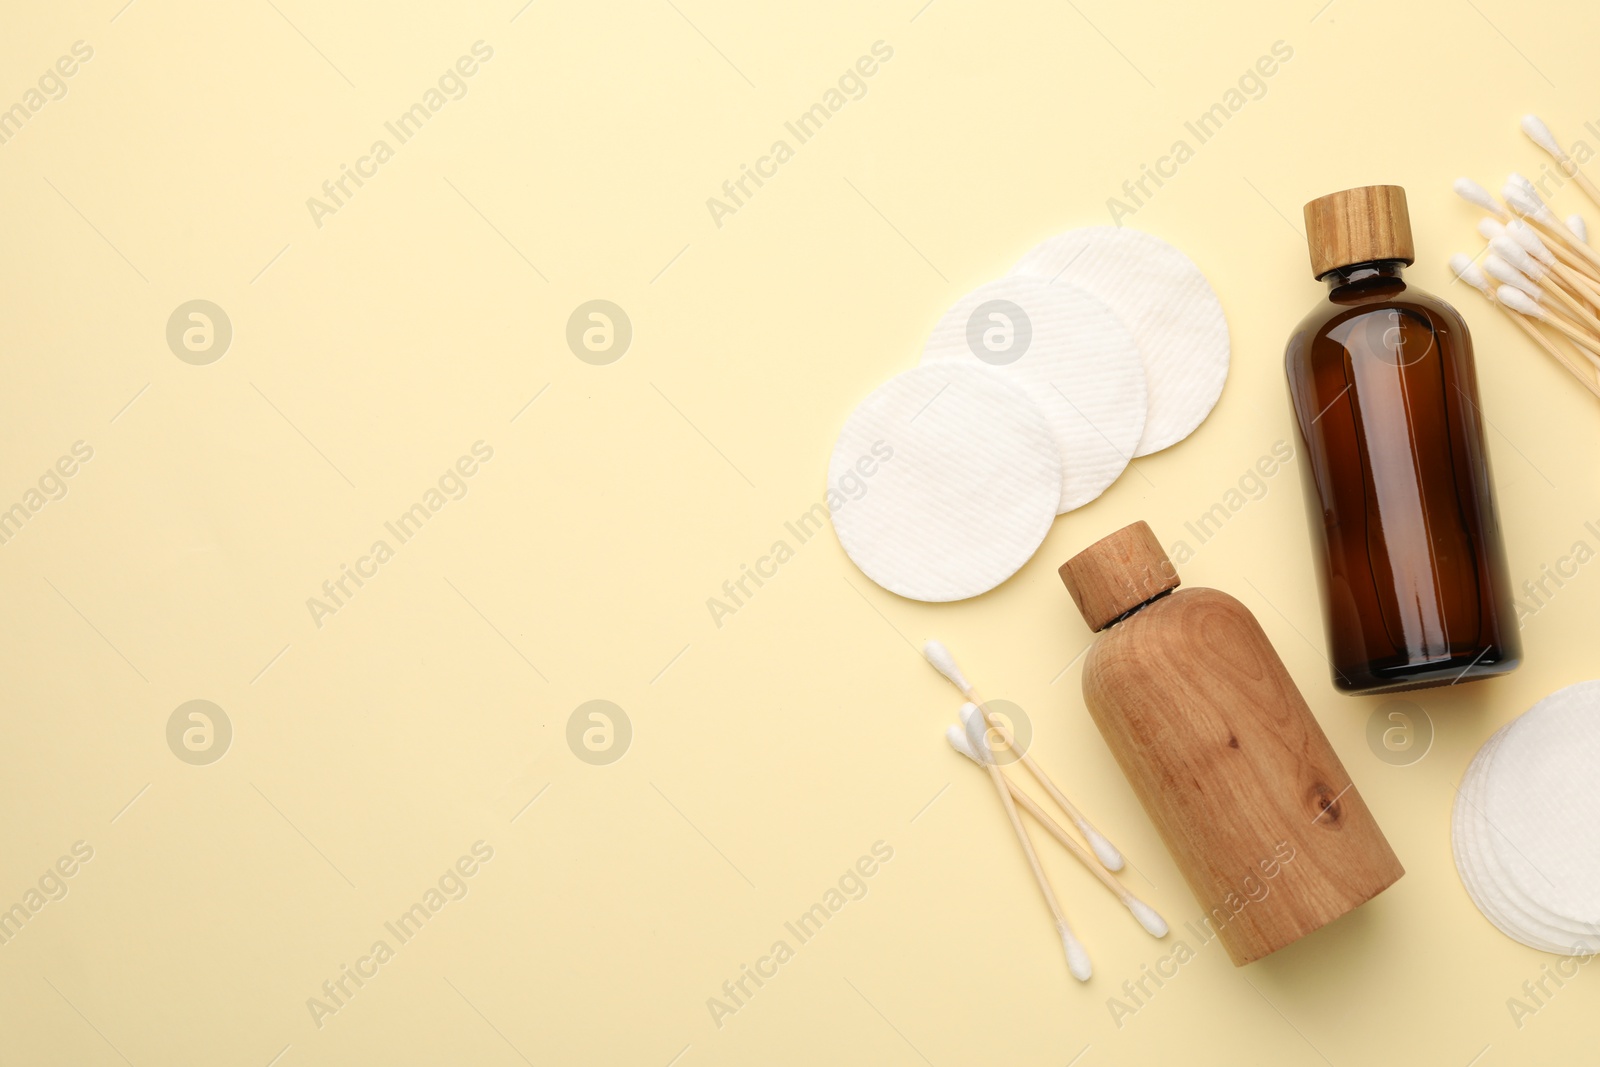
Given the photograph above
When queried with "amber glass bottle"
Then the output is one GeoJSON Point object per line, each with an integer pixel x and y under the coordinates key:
{"type": "Point", "coordinates": [1392, 457]}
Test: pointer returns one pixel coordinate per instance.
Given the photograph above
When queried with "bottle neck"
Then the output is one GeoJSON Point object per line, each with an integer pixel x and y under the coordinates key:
{"type": "Point", "coordinates": [1136, 609]}
{"type": "Point", "coordinates": [1377, 272]}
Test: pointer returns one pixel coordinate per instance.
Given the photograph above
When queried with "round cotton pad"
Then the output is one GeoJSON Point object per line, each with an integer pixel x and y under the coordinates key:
{"type": "Point", "coordinates": [1558, 933]}
{"type": "Point", "coordinates": [1500, 902]}
{"type": "Point", "coordinates": [1168, 306]}
{"type": "Point", "coordinates": [1469, 846]}
{"type": "Point", "coordinates": [964, 482]}
{"type": "Point", "coordinates": [1541, 797]}
{"type": "Point", "coordinates": [1074, 359]}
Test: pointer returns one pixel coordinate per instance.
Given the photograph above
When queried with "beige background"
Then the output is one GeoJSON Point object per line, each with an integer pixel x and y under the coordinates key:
{"type": "Point", "coordinates": [767, 754]}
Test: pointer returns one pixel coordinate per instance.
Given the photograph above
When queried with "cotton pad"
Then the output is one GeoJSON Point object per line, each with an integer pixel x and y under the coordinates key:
{"type": "Point", "coordinates": [964, 485]}
{"type": "Point", "coordinates": [1467, 845]}
{"type": "Point", "coordinates": [1558, 933]}
{"type": "Point", "coordinates": [1168, 307]}
{"type": "Point", "coordinates": [1499, 902]}
{"type": "Point", "coordinates": [1542, 797]}
{"type": "Point", "coordinates": [1523, 830]}
{"type": "Point", "coordinates": [1074, 359]}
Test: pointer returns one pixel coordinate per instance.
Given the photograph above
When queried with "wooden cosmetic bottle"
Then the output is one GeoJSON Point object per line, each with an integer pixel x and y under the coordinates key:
{"type": "Point", "coordinates": [1271, 834]}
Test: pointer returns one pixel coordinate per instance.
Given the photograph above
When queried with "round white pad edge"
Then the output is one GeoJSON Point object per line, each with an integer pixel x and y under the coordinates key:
{"type": "Point", "coordinates": [1073, 357]}
{"type": "Point", "coordinates": [1168, 307]}
{"type": "Point", "coordinates": [1540, 795]}
{"type": "Point", "coordinates": [968, 492]}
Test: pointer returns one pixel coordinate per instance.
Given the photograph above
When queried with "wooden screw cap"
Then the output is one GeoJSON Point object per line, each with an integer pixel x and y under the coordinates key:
{"type": "Point", "coordinates": [1358, 226]}
{"type": "Point", "coordinates": [1118, 573]}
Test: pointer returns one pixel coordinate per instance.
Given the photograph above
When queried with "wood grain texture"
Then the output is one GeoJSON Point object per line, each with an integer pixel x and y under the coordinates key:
{"type": "Point", "coordinates": [1224, 753]}
{"type": "Point", "coordinates": [1358, 226]}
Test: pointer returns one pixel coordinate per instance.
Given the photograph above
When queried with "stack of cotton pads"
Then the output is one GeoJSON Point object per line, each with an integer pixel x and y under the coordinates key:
{"type": "Point", "coordinates": [1034, 393]}
{"type": "Point", "coordinates": [1526, 825]}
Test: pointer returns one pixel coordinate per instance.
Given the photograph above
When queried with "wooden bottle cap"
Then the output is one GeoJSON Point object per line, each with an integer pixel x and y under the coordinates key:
{"type": "Point", "coordinates": [1358, 226]}
{"type": "Point", "coordinates": [1118, 573]}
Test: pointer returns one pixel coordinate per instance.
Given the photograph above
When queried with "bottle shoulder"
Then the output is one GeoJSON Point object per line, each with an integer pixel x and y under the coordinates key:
{"type": "Point", "coordinates": [1339, 306]}
{"type": "Point", "coordinates": [1197, 641]}
{"type": "Point", "coordinates": [1174, 618]}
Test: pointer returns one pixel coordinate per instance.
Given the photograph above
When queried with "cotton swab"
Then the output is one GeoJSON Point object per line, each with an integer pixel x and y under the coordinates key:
{"type": "Point", "coordinates": [1514, 293]}
{"type": "Point", "coordinates": [1462, 267]}
{"type": "Point", "coordinates": [945, 664]}
{"type": "Point", "coordinates": [1514, 254]}
{"type": "Point", "coordinates": [1147, 916]}
{"type": "Point", "coordinates": [1473, 193]}
{"type": "Point", "coordinates": [1524, 200]}
{"type": "Point", "coordinates": [1517, 300]}
{"type": "Point", "coordinates": [1580, 280]}
{"type": "Point", "coordinates": [1540, 135]}
{"type": "Point", "coordinates": [1523, 182]}
{"type": "Point", "coordinates": [1507, 274]}
{"type": "Point", "coordinates": [1559, 248]}
{"type": "Point", "coordinates": [1529, 200]}
{"type": "Point", "coordinates": [1468, 272]}
{"type": "Point", "coordinates": [1077, 957]}
{"type": "Point", "coordinates": [1478, 196]}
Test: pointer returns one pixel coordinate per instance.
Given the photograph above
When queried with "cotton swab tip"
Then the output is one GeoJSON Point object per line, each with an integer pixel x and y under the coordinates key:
{"type": "Point", "coordinates": [977, 731]}
{"type": "Point", "coordinates": [1104, 850]}
{"type": "Point", "coordinates": [958, 741]}
{"type": "Point", "coordinates": [1540, 135]}
{"type": "Point", "coordinates": [1517, 300]}
{"type": "Point", "coordinates": [1526, 202]}
{"type": "Point", "coordinates": [1507, 275]}
{"type": "Point", "coordinates": [1519, 200]}
{"type": "Point", "coordinates": [1514, 254]}
{"type": "Point", "coordinates": [1154, 923]}
{"type": "Point", "coordinates": [1473, 193]}
{"type": "Point", "coordinates": [1462, 267]}
{"type": "Point", "coordinates": [1579, 228]}
{"type": "Point", "coordinates": [1490, 228]}
{"type": "Point", "coordinates": [1528, 239]}
{"type": "Point", "coordinates": [1077, 958]}
{"type": "Point", "coordinates": [945, 664]}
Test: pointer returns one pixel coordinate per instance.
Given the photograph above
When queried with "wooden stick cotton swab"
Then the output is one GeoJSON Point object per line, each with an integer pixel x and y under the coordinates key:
{"type": "Point", "coordinates": [1468, 272]}
{"type": "Point", "coordinates": [1508, 275]}
{"type": "Point", "coordinates": [1478, 196]}
{"type": "Point", "coordinates": [1517, 300]}
{"type": "Point", "coordinates": [1513, 253]}
{"type": "Point", "coordinates": [1077, 957]}
{"type": "Point", "coordinates": [1147, 916]}
{"type": "Point", "coordinates": [1524, 200]}
{"type": "Point", "coordinates": [1580, 278]}
{"type": "Point", "coordinates": [1475, 194]}
{"type": "Point", "coordinates": [945, 664]}
{"type": "Point", "coordinates": [1540, 135]}
{"type": "Point", "coordinates": [1544, 342]}
{"type": "Point", "coordinates": [1573, 269]}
